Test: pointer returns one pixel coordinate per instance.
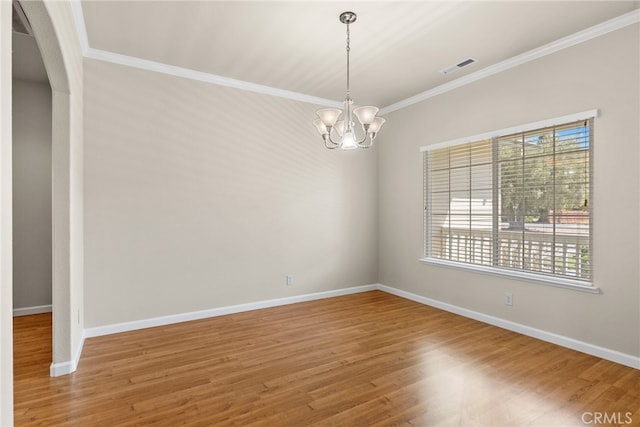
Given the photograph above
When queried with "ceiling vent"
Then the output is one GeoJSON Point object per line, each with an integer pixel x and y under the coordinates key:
{"type": "Point", "coordinates": [20, 21]}
{"type": "Point", "coordinates": [459, 65]}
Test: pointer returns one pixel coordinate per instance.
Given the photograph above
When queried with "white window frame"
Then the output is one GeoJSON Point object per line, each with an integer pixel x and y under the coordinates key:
{"type": "Point", "coordinates": [531, 277]}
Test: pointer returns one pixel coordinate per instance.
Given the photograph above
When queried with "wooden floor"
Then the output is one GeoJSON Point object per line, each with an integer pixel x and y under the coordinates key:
{"type": "Point", "coordinates": [367, 359]}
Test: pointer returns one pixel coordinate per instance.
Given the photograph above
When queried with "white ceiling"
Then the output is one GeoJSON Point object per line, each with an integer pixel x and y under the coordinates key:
{"type": "Point", "coordinates": [397, 48]}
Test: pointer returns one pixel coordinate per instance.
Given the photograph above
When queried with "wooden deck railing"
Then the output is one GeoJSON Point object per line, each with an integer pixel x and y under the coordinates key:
{"type": "Point", "coordinates": [563, 254]}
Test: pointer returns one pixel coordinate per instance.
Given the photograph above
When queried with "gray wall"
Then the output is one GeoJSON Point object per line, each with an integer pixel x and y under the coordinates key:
{"type": "Point", "coordinates": [31, 194]}
{"type": "Point", "coordinates": [199, 196]}
{"type": "Point", "coordinates": [601, 73]}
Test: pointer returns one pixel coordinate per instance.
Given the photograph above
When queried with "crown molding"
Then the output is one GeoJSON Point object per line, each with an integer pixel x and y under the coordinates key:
{"type": "Point", "coordinates": [598, 30]}
{"type": "Point", "coordinates": [81, 28]}
{"type": "Point", "coordinates": [145, 64]}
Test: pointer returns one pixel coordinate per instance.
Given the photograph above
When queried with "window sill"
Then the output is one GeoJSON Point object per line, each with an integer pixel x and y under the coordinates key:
{"type": "Point", "coordinates": [574, 285]}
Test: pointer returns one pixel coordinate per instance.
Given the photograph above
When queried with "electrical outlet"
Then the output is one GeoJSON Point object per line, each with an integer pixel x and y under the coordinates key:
{"type": "Point", "coordinates": [289, 280]}
{"type": "Point", "coordinates": [508, 298]}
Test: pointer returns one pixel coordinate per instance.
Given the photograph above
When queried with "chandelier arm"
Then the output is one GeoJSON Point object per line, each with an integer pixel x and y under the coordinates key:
{"type": "Point", "coordinates": [328, 140]}
{"type": "Point", "coordinates": [330, 147]}
{"type": "Point", "coordinates": [364, 138]}
{"type": "Point", "coordinates": [362, 144]}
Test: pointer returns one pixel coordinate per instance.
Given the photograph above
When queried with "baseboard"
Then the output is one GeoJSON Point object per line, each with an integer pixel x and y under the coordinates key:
{"type": "Point", "coordinates": [25, 311]}
{"type": "Point", "coordinates": [604, 353]}
{"type": "Point", "coordinates": [64, 368]}
{"type": "Point", "coordinates": [221, 311]}
{"type": "Point", "coordinates": [584, 347]}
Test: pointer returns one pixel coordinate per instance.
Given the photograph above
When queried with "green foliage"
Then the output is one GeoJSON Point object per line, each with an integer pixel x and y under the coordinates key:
{"type": "Point", "coordinates": [532, 167]}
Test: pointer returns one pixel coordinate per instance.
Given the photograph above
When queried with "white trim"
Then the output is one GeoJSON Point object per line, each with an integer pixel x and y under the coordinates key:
{"type": "Point", "coordinates": [514, 129]}
{"type": "Point", "coordinates": [81, 28]}
{"type": "Point", "coordinates": [558, 282]}
{"type": "Point", "coordinates": [555, 46]}
{"type": "Point", "coordinates": [37, 309]}
{"type": "Point", "coordinates": [539, 52]}
{"type": "Point", "coordinates": [604, 353]}
{"type": "Point", "coordinates": [584, 347]}
{"type": "Point", "coordinates": [144, 64]}
{"type": "Point", "coordinates": [64, 368]}
{"type": "Point", "coordinates": [220, 311]}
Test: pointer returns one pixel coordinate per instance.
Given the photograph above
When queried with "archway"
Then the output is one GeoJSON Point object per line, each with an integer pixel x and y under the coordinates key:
{"type": "Point", "coordinates": [66, 192]}
{"type": "Point", "coordinates": [64, 323]}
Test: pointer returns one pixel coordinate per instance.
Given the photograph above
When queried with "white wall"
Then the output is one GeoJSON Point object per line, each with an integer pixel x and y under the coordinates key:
{"type": "Point", "coordinates": [199, 196]}
{"type": "Point", "coordinates": [31, 194]}
{"type": "Point", "coordinates": [601, 73]}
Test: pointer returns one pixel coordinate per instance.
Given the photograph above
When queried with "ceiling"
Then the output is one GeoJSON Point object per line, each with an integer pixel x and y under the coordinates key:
{"type": "Point", "coordinates": [397, 48]}
{"type": "Point", "coordinates": [27, 62]}
{"type": "Point", "coordinates": [26, 59]}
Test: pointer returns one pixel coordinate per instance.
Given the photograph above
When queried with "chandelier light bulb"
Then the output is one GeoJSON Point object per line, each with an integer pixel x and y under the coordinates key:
{"type": "Point", "coordinates": [348, 141]}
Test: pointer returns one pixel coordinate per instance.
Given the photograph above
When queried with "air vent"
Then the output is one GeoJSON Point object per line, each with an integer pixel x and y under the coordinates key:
{"type": "Point", "coordinates": [459, 65]}
{"type": "Point", "coordinates": [20, 21]}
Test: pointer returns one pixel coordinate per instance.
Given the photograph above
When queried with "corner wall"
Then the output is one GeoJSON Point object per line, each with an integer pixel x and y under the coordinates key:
{"type": "Point", "coordinates": [601, 73]}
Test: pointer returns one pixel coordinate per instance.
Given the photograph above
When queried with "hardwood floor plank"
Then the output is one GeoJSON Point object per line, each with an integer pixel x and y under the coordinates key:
{"type": "Point", "coordinates": [369, 359]}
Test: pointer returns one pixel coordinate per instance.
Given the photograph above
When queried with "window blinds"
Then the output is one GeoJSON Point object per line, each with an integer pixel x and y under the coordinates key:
{"type": "Point", "coordinates": [519, 201]}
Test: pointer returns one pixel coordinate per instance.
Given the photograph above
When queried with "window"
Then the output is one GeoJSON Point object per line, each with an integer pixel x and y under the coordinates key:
{"type": "Point", "coordinates": [516, 201]}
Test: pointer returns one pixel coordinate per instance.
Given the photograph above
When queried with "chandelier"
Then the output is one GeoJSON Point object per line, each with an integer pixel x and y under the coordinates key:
{"type": "Point", "coordinates": [345, 128]}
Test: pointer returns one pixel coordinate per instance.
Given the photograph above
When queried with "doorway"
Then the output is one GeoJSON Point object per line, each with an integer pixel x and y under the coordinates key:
{"type": "Point", "coordinates": [32, 173]}
{"type": "Point", "coordinates": [52, 25]}
{"type": "Point", "coordinates": [32, 213]}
